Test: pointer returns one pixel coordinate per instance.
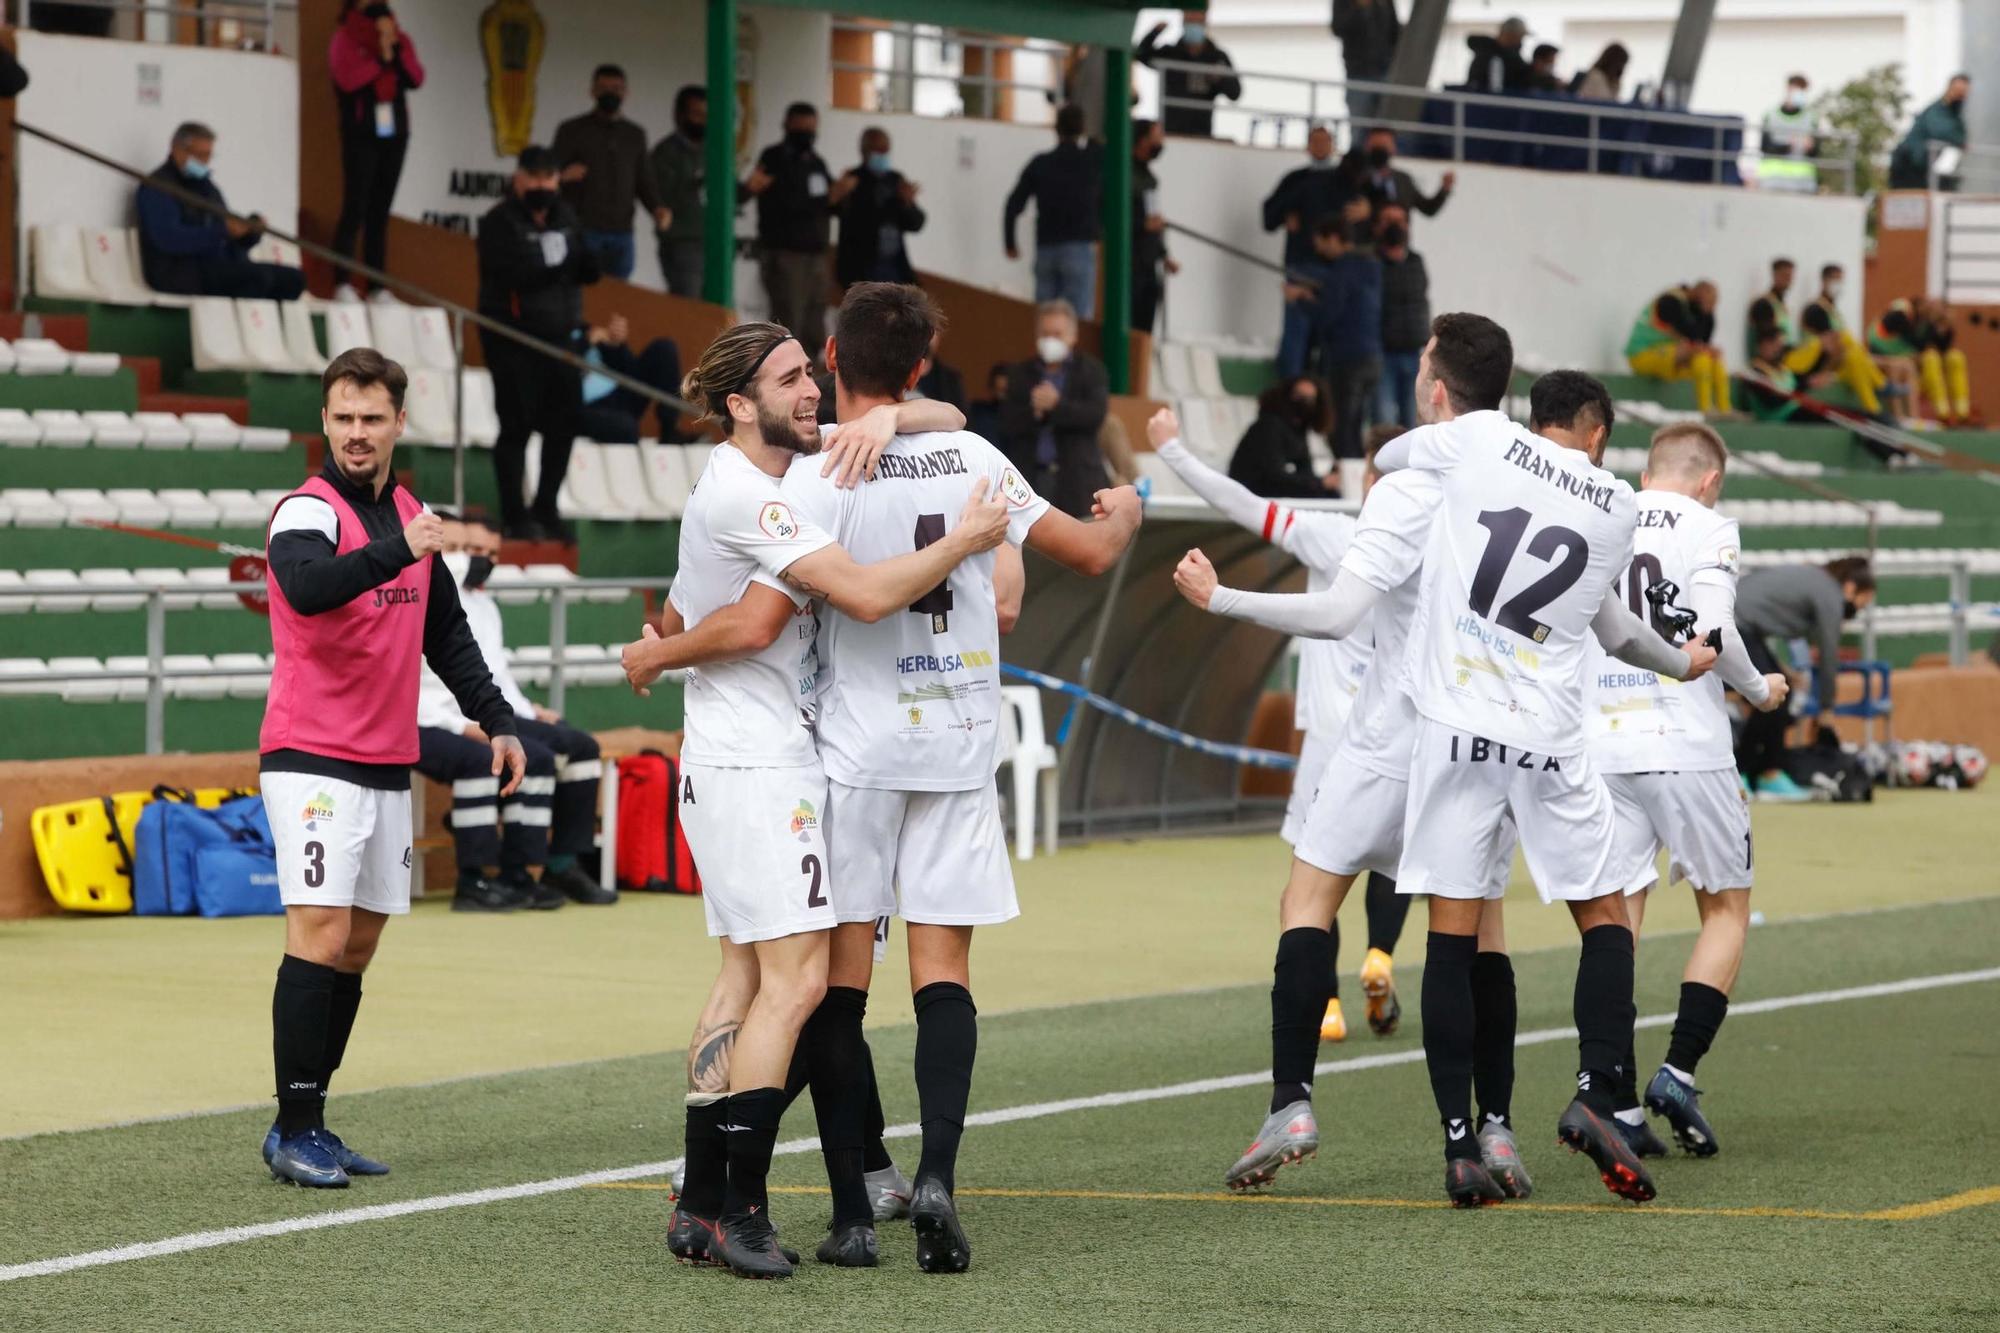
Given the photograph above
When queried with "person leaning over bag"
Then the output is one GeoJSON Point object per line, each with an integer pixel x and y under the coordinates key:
{"type": "Point", "coordinates": [358, 606]}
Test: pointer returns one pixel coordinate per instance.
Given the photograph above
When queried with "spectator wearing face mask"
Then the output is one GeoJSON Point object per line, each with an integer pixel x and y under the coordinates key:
{"type": "Point", "coordinates": [1822, 320]}
{"type": "Point", "coordinates": [792, 186]}
{"type": "Point", "coordinates": [1939, 125]}
{"type": "Point", "coordinates": [1187, 97]}
{"type": "Point", "coordinates": [1406, 320]}
{"type": "Point", "coordinates": [1065, 184]}
{"type": "Point", "coordinates": [680, 168]}
{"type": "Point", "coordinates": [877, 206]}
{"type": "Point", "coordinates": [193, 251]}
{"type": "Point", "coordinates": [1053, 412]}
{"type": "Point", "coordinates": [1790, 140]}
{"type": "Point", "coordinates": [1274, 457]}
{"type": "Point", "coordinates": [1389, 186]}
{"type": "Point", "coordinates": [1341, 291]}
{"type": "Point", "coordinates": [611, 412]}
{"type": "Point", "coordinates": [1151, 264]}
{"type": "Point", "coordinates": [605, 170]}
{"type": "Point", "coordinates": [374, 65]}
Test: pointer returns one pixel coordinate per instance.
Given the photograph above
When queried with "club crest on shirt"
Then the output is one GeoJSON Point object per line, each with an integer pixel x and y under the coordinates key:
{"type": "Point", "coordinates": [776, 521]}
{"type": "Point", "coordinates": [318, 808]}
{"type": "Point", "coordinates": [1014, 488]}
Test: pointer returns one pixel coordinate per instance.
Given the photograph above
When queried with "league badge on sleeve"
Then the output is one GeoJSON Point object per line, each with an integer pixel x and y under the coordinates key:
{"type": "Point", "coordinates": [776, 521]}
{"type": "Point", "coordinates": [1015, 489]}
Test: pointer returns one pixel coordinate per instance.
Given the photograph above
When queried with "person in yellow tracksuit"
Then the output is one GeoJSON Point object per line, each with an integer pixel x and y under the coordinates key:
{"type": "Point", "coordinates": [1857, 370]}
{"type": "Point", "coordinates": [1674, 339]}
{"type": "Point", "coordinates": [1768, 361]}
{"type": "Point", "coordinates": [1771, 311]}
{"type": "Point", "coordinates": [1946, 381]}
{"type": "Point", "coordinates": [1892, 344]}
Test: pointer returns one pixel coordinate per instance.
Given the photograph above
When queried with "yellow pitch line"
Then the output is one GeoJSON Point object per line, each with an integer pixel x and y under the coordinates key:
{"type": "Point", "coordinates": [1912, 1212]}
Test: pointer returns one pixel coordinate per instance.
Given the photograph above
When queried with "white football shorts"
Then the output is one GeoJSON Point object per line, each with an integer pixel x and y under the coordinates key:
{"type": "Point", "coordinates": [339, 845]}
{"type": "Point", "coordinates": [1702, 818]}
{"type": "Point", "coordinates": [1355, 821]}
{"type": "Point", "coordinates": [1318, 748]}
{"type": "Point", "coordinates": [936, 858]}
{"type": "Point", "coordinates": [759, 841]}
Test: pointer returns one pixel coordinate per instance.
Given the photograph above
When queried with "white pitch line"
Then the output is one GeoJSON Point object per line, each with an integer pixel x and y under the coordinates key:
{"type": "Point", "coordinates": [205, 1240]}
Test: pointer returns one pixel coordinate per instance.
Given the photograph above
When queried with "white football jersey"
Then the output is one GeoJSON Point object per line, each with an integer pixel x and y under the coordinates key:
{"type": "Point", "coordinates": [1330, 670]}
{"type": "Point", "coordinates": [1387, 553]}
{"type": "Point", "coordinates": [912, 702]}
{"type": "Point", "coordinates": [1527, 543]}
{"type": "Point", "coordinates": [755, 712]}
{"type": "Point", "coordinates": [1639, 722]}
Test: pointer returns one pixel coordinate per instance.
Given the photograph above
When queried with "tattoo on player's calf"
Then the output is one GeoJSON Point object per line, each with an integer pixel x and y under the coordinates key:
{"type": "Point", "coordinates": [708, 1061]}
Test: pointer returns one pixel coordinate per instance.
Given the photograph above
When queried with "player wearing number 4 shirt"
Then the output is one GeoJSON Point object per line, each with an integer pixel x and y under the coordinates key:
{"type": "Point", "coordinates": [753, 796]}
{"type": "Point", "coordinates": [909, 720]}
{"type": "Point", "coordinates": [1666, 754]}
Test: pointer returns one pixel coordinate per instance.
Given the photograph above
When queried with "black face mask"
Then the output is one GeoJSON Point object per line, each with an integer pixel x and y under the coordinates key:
{"type": "Point", "coordinates": [609, 103]}
{"type": "Point", "coordinates": [1848, 610]}
{"type": "Point", "coordinates": [696, 130]}
{"type": "Point", "coordinates": [477, 571]}
{"type": "Point", "coordinates": [1394, 236]}
{"type": "Point", "coordinates": [800, 141]}
{"type": "Point", "coordinates": [538, 200]}
{"type": "Point", "coordinates": [375, 11]}
{"type": "Point", "coordinates": [1156, 152]}
{"type": "Point", "coordinates": [1378, 158]}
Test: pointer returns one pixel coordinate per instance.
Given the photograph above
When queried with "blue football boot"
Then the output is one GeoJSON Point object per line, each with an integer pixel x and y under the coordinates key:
{"type": "Point", "coordinates": [307, 1159]}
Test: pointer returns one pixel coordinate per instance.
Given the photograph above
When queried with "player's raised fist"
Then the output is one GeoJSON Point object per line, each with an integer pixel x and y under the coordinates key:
{"type": "Point", "coordinates": [1162, 426]}
{"type": "Point", "coordinates": [1195, 578]}
{"type": "Point", "coordinates": [1120, 502]}
{"type": "Point", "coordinates": [982, 525]}
{"type": "Point", "coordinates": [1780, 689]}
{"type": "Point", "coordinates": [425, 534]}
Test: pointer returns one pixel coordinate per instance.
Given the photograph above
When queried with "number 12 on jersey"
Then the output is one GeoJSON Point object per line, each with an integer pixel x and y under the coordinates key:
{"type": "Point", "coordinates": [1505, 528]}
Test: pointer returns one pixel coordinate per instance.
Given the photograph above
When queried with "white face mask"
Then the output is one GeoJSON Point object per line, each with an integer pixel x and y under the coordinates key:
{"type": "Point", "coordinates": [1051, 349]}
{"type": "Point", "coordinates": [1833, 289]}
{"type": "Point", "coordinates": [456, 563]}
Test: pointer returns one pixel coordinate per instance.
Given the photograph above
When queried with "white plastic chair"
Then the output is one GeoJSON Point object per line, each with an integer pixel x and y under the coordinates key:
{"type": "Point", "coordinates": [255, 680]}
{"type": "Point", "coordinates": [207, 577]}
{"type": "Point", "coordinates": [129, 691]}
{"type": "Point", "coordinates": [1024, 747]}
{"type": "Point", "coordinates": [6, 357]}
{"type": "Point", "coordinates": [163, 430]}
{"type": "Point", "coordinates": [89, 689]}
{"type": "Point", "coordinates": [429, 405]}
{"type": "Point", "coordinates": [41, 356]}
{"type": "Point", "coordinates": [482, 412]}
{"type": "Point", "coordinates": [239, 508]}
{"type": "Point", "coordinates": [60, 270]}
{"type": "Point", "coordinates": [263, 332]}
{"type": "Point", "coordinates": [167, 578]}
{"type": "Point", "coordinates": [263, 439]}
{"type": "Point", "coordinates": [346, 327]}
{"type": "Point", "coordinates": [217, 336]}
{"type": "Point", "coordinates": [1207, 370]}
{"type": "Point", "coordinates": [665, 467]}
{"type": "Point", "coordinates": [395, 334]}
{"type": "Point", "coordinates": [139, 507]}
{"type": "Point", "coordinates": [49, 585]}
{"type": "Point", "coordinates": [431, 327]}
{"type": "Point", "coordinates": [114, 430]}
{"type": "Point", "coordinates": [171, 300]}
{"type": "Point", "coordinates": [62, 428]}
{"type": "Point", "coordinates": [301, 343]}
{"type": "Point", "coordinates": [86, 504]}
{"type": "Point", "coordinates": [112, 601]}
{"type": "Point", "coordinates": [33, 507]}
{"type": "Point", "coordinates": [107, 260]}
{"type": "Point", "coordinates": [587, 491]}
{"type": "Point", "coordinates": [11, 581]}
{"type": "Point", "coordinates": [625, 473]}
{"type": "Point", "coordinates": [200, 687]}
{"type": "Point", "coordinates": [18, 430]}
{"type": "Point", "coordinates": [188, 508]}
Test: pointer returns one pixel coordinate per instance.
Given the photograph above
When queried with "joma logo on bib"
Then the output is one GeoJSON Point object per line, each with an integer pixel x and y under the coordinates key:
{"type": "Point", "coordinates": [396, 597]}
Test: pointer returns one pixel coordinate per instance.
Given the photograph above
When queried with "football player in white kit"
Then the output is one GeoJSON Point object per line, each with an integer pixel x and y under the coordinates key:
{"type": "Point", "coordinates": [1330, 675]}
{"type": "Point", "coordinates": [1458, 829]}
{"type": "Point", "coordinates": [909, 719]}
{"type": "Point", "coordinates": [753, 794]}
{"type": "Point", "coordinates": [1665, 751]}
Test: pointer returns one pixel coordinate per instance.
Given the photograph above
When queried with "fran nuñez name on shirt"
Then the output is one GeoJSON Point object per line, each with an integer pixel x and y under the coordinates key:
{"type": "Point", "coordinates": [1522, 455]}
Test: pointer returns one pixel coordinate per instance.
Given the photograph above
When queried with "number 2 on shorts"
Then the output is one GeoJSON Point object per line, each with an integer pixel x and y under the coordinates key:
{"type": "Point", "coordinates": [809, 865]}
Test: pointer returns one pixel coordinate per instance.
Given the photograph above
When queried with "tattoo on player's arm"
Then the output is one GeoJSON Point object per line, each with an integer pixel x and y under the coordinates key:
{"type": "Point", "coordinates": [802, 583]}
{"type": "Point", "coordinates": [708, 1058]}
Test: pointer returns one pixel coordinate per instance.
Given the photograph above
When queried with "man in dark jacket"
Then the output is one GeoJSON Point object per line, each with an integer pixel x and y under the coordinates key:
{"type": "Point", "coordinates": [1368, 31]}
{"type": "Point", "coordinates": [792, 184]}
{"type": "Point", "coordinates": [193, 252]}
{"type": "Point", "coordinates": [1497, 63]}
{"type": "Point", "coordinates": [1406, 321]}
{"type": "Point", "coordinates": [1388, 185]}
{"type": "Point", "coordinates": [680, 166]}
{"type": "Point", "coordinates": [604, 168]}
{"type": "Point", "coordinates": [1066, 184]}
{"type": "Point", "coordinates": [532, 269]}
{"type": "Point", "coordinates": [1182, 89]}
{"type": "Point", "coordinates": [1274, 458]}
{"type": "Point", "coordinates": [1344, 305]}
{"type": "Point", "coordinates": [1055, 405]}
{"type": "Point", "coordinates": [877, 206]}
{"type": "Point", "coordinates": [1150, 260]}
{"type": "Point", "coordinates": [1307, 194]}
{"type": "Point", "coordinates": [1939, 125]}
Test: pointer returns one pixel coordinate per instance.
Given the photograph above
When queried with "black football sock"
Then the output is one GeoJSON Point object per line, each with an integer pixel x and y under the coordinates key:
{"type": "Point", "coordinates": [799, 1073]}
{"type": "Point", "coordinates": [1332, 963]}
{"type": "Point", "coordinates": [1449, 1040]}
{"type": "Point", "coordinates": [947, 1041]}
{"type": "Point", "coordinates": [301, 1013]}
{"type": "Point", "coordinates": [751, 1132]}
{"type": "Point", "coordinates": [874, 1154]}
{"type": "Point", "coordinates": [840, 1088]}
{"type": "Point", "coordinates": [1298, 1003]}
{"type": "Point", "coordinates": [340, 1022]}
{"type": "Point", "coordinates": [1387, 910]}
{"type": "Point", "coordinates": [1700, 1018]}
{"type": "Point", "coordinates": [1494, 1018]}
{"type": "Point", "coordinates": [1625, 1099]}
{"type": "Point", "coordinates": [1604, 1012]}
{"type": "Point", "coordinates": [707, 1167]}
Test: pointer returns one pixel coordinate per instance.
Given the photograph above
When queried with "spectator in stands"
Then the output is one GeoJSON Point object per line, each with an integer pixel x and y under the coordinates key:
{"type": "Point", "coordinates": [1182, 89]}
{"type": "Point", "coordinates": [1066, 184]}
{"type": "Point", "coordinates": [1274, 457]}
{"type": "Point", "coordinates": [194, 251]}
{"type": "Point", "coordinates": [1892, 343]}
{"type": "Point", "coordinates": [1772, 310]}
{"type": "Point", "coordinates": [1767, 360]}
{"type": "Point", "coordinates": [680, 168]}
{"type": "Point", "coordinates": [373, 64]}
{"type": "Point", "coordinates": [1151, 264]}
{"type": "Point", "coordinates": [1790, 141]}
{"type": "Point", "coordinates": [1792, 602]}
{"type": "Point", "coordinates": [1603, 81]}
{"type": "Point", "coordinates": [1368, 31]}
{"type": "Point", "coordinates": [1939, 125]}
{"type": "Point", "coordinates": [792, 185]}
{"type": "Point", "coordinates": [1497, 63]}
{"type": "Point", "coordinates": [605, 170]}
{"type": "Point", "coordinates": [611, 412]}
{"type": "Point", "coordinates": [533, 267]}
{"type": "Point", "coordinates": [1307, 194]}
{"type": "Point", "coordinates": [982, 415]}
{"type": "Point", "coordinates": [1387, 184]}
{"type": "Point", "coordinates": [937, 380]}
{"type": "Point", "coordinates": [1344, 305]}
{"type": "Point", "coordinates": [877, 205]}
{"type": "Point", "coordinates": [1674, 339]}
{"type": "Point", "coordinates": [1946, 377]}
{"type": "Point", "coordinates": [551, 821]}
{"type": "Point", "coordinates": [1054, 409]}
{"type": "Point", "coordinates": [1406, 321]}
{"type": "Point", "coordinates": [1542, 70]}
{"type": "Point", "coordinates": [1821, 318]}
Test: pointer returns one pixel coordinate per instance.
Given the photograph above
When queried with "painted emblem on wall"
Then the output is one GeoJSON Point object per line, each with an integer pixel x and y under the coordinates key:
{"type": "Point", "coordinates": [512, 37]}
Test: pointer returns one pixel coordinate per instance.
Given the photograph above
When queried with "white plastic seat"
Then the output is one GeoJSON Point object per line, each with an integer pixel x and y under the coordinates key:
{"type": "Point", "coordinates": [195, 687]}
{"type": "Point", "coordinates": [139, 507]}
{"type": "Point", "coordinates": [33, 507]}
{"type": "Point", "coordinates": [88, 689]}
{"type": "Point", "coordinates": [165, 577]}
{"type": "Point", "coordinates": [216, 335]}
{"type": "Point", "coordinates": [19, 429]}
{"type": "Point", "coordinates": [10, 582]}
{"type": "Point", "coordinates": [163, 430]}
{"type": "Point", "coordinates": [500, 583]}
{"type": "Point", "coordinates": [263, 333]}
{"type": "Point", "coordinates": [270, 250]}
{"type": "Point", "coordinates": [189, 508]}
{"type": "Point", "coordinates": [107, 262]}
{"type": "Point", "coordinates": [170, 300]}
{"type": "Point", "coordinates": [1176, 372]}
{"type": "Point", "coordinates": [22, 666]}
{"type": "Point", "coordinates": [239, 508]}
{"type": "Point", "coordinates": [114, 430]}
{"type": "Point", "coordinates": [430, 327]}
{"type": "Point", "coordinates": [85, 504]}
{"type": "Point", "coordinates": [262, 439]}
{"type": "Point", "coordinates": [133, 690]}
{"type": "Point", "coordinates": [346, 327]}
{"type": "Point", "coordinates": [301, 343]}
{"type": "Point", "coordinates": [1197, 431]}
{"type": "Point", "coordinates": [530, 663]}
{"type": "Point", "coordinates": [49, 585]}
{"type": "Point", "coordinates": [60, 270]}
{"type": "Point", "coordinates": [482, 412]}
{"type": "Point", "coordinates": [395, 333]}
{"type": "Point", "coordinates": [254, 682]}
{"type": "Point", "coordinates": [206, 577]}
{"type": "Point", "coordinates": [112, 601]}
{"type": "Point", "coordinates": [665, 469]}
{"type": "Point", "coordinates": [268, 499]}
{"type": "Point", "coordinates": [6, 357]}
{"type": "Point", "coordinates": [1025, 748]}
{"type": "Point", "coordinates": [625, 472]}
{"type": "Point", "coordinates": [40, 356]}
{"type": "Point", "coordinates": [1207, 370]}
{"type": "Point", "coordinates": [586, 491]}
{"type": "Point", "coordinates": [428, 402]}
{"type": "Point", "coordinates": [94, 363]}
{"type": "Point", "coordinates": [62, 428]}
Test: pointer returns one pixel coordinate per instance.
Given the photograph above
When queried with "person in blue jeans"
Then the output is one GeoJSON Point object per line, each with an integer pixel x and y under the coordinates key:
{"type": "Point", "coordinates": [605, 168]}
{"type": "Point", "coordinates": [1406, 320]}
{"type": "Point", "coordinates": [1340, 290]}
{"type": "Point", "coordinates": [1065, 184]}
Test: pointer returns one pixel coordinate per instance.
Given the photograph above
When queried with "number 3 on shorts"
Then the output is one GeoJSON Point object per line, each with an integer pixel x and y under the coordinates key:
{"type": "Point", "coordinates": [809, 865]}
{"type": "Point", "coordinates": [315, 864]}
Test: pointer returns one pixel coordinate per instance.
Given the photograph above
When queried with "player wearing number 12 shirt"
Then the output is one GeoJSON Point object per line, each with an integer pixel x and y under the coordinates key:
{"type": "Point", "coordinates": [909, 710]}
